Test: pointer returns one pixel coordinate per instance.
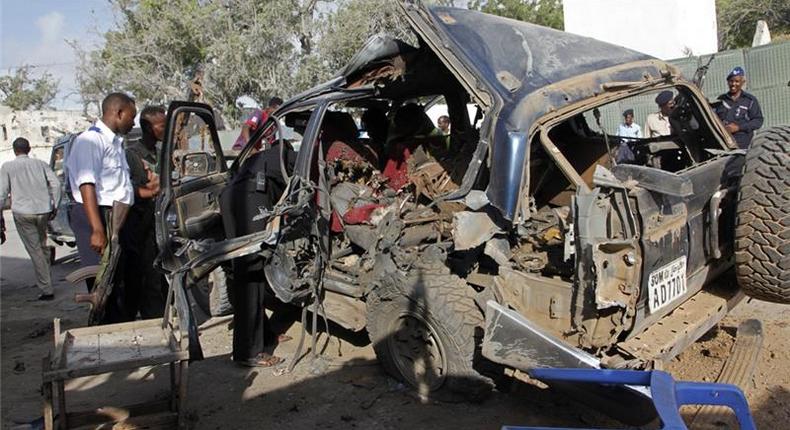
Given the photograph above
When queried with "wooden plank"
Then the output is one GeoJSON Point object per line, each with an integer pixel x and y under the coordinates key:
{"type": "Point", "coordinates": [183, 391]}
{"type": "Point", "coordinates": [112, 328]}
{"type": "Point", "coordinates": [119, 347]}
{"type": "Point", "coordinates": [59, 357]}
{"type": "Point", "coordinates": [80, 351]}
{"type": "Point", "coordinates": [70, 373]}
{"type": "Point", "coordinates": [46, 394]}
{"type": "Point", "coordinates": [94, 350]}
{"type": "Point", "coordinates": [109, 414]}
{"type": "Point", "coordinates": [63, 421]}
{"type": "Point", "coordinates": [56, 331]}
{"type": "Point", "coordinates": [164, 420]}
{"type": "Point", "coordinates": [173, 388]}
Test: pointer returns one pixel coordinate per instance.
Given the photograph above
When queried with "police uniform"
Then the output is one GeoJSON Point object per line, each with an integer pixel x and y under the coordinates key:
{"type": "Point", "coordinates": [745, 112]}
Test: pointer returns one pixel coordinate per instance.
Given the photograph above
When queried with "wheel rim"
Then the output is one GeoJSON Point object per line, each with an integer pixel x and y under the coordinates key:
{"type": "Point", "coordinates": [417, 352]}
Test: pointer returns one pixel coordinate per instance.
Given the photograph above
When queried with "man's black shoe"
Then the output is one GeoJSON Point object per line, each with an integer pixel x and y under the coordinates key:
{"type": "Point", "coordinates": [46, 297]}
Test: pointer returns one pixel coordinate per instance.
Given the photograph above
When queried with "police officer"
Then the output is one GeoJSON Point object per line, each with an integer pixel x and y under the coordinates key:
{"type": "Point", "coordinates": [739, 110]}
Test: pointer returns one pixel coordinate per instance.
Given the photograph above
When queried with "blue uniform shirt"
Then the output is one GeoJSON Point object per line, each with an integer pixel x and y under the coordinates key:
{"type": "Point", "coordinates": [745, 112]}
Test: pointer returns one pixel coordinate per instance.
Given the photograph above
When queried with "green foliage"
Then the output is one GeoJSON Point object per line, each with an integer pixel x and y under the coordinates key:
{"type": "Point", "coordinates": [737, 20]}
{"type": "Point", "coordinates": [343, 32]}
{"type": "Point", "coordinates": [258, 48]}
{"type": "Point", "coordinates": [244, 47]}
{"type": "Point", "coordinates": [22, 91]}
{"type": "Point", "coordinates": [547, 13]}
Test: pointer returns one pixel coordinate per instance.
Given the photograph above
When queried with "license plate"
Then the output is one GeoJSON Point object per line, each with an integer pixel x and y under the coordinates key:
{"type": "Point", "coordinates": [666, 284]}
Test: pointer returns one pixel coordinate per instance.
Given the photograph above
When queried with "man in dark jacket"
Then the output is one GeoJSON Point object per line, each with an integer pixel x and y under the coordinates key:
{"type": "Point", "coordinates": [143, 285]}
{"type": "Point", "coordinates": [739, 110]}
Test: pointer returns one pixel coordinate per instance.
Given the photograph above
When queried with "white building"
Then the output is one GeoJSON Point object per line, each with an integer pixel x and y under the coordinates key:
{"type": "Point", "coordinates": [666, 29]}
{"type": "Point", "coordinates": [41, 127]}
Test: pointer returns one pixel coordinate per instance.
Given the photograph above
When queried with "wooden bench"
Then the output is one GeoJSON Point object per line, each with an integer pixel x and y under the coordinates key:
{"type": "Point", "coordinates": [96, 350]}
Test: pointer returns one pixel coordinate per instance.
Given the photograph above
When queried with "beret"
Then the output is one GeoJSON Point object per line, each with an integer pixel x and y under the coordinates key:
{"type": "Point", "coordinates": [737, 71]}
{"type": "Point", "coordinates": [663, 97]}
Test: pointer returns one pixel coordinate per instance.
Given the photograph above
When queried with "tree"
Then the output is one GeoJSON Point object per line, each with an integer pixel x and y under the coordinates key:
{"type": "Point", "coordinates": [737, 20]}
{"type": "Point", "coordinates": [244, 47]}
{"type": "Point", "coordinates": [547, 13]}
{"type": "Point", "coordinates": [22, 91]}
{"type": "Point", "coordinates": [342, 33]}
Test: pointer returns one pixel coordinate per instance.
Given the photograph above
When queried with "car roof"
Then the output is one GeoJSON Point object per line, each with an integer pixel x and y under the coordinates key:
{"type": "Point", "coordinates": [518, 58]}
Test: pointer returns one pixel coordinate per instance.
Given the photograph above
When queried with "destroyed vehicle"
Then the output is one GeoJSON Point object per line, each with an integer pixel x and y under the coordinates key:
{"type": "Point", "coordinates": [429, 241]}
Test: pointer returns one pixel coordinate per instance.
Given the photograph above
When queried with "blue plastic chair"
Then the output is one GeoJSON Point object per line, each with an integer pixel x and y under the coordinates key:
{"type": "Point", "coordinates": [668, 395]}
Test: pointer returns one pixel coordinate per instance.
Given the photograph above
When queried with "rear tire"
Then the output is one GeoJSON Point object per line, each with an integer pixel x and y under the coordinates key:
{"type": "Point", "coordinates": [762, 233]}
{"type": "Point", "coordinates": [426, 329]}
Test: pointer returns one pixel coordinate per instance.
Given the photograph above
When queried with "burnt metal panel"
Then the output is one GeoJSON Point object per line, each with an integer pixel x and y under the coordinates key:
{"type": "Point", "coordinates": [514, 341]}
{"type": "Point", "coordinates": [507, 170]}
{"type": "Point", "coordinates": [519, 58]}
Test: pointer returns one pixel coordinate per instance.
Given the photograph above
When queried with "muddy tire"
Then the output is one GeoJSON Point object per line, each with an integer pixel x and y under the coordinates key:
{"type": "Point", "coordinates": [426, 331]}
{"type": "Point", "coordinates": [762, 233]}
{"type": "Point", "coordinates": [211, 294]}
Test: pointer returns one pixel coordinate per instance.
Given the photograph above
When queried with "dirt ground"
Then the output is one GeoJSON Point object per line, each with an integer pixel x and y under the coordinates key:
{"type": "Point", "coordinates": [345, 388]}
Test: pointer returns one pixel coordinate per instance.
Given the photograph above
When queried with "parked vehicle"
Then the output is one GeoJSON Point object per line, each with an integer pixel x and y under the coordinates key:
{"type": "Point", "coordinates": [523, 206]}
{"type": "Point", "coordinates": [59, 230]}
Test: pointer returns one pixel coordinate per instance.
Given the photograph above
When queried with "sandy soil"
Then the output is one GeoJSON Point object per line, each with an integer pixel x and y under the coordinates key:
{"type": "Point", "coordinates": [345, 388]}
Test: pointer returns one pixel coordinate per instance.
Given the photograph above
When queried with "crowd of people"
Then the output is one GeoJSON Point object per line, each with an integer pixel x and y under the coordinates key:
{"type": "Point", "coordinates": [737, 109]}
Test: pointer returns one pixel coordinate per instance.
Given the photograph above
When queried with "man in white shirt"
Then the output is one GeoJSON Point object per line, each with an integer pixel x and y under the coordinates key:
{"type": "Point", "coordinates": [657, 123]}
{"type": "Point", "coordinates": [628, 131]}
{"type": "Point", "coordinates": [99, 175]}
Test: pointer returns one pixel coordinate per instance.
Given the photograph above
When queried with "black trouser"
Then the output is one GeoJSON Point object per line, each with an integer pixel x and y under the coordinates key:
{"type": "Point", "coordinates": [251, 329]}
{"type": "Point", "coordinates": [143, 285]}
{"type": "Point", "coordinates": [80, 225]}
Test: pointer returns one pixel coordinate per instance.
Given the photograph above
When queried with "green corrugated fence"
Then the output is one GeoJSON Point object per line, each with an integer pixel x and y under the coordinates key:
{"type": "Point", "coordinates": [767, 73]}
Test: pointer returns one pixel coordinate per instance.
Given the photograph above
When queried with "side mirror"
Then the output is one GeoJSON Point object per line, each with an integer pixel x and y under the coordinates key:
{"type": "Point", "coordinates": [195, 164]}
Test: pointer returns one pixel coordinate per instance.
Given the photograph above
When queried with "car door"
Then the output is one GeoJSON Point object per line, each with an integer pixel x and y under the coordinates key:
{"type": "Point", "coordinates": [608, 257]}
{"type": "Point", "coordinates": [291, 270]}
{"type": "Point", "coordinates": [192, 172]}
{"type": "Point", "coordinates": [686, 222]}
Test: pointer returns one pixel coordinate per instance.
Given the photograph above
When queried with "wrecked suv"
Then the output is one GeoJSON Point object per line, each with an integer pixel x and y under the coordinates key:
{"type": "Point", "coordinates": [517, 240]}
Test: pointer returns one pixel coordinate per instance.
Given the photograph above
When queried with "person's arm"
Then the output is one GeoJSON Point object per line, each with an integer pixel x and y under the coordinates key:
{"type": "Point", "coordinates": [145, 183]}
{"type": "Point", "coordinates": [5, 186]}
{"type": "Point", "coordinates": [245, 133]}
{"type": "Point", "coordinates": [85, 164]}
{"type": "Point", "coordinates": [54, 188]}
{"type": "Point", "coordinates": [151, 187]}
{"type": "Point", "coordinates": [755, 117]}
{"type": "Point", "coordinates": [91, 205]}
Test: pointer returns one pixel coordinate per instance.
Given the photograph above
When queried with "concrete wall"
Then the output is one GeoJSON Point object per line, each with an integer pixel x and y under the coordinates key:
{"type": "Point", "coordinates": [41, 127]}
{"type": "Point", "coordinates": [661, 28]}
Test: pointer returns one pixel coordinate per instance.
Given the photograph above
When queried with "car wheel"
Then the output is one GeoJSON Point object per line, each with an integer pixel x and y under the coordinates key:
{"type": "Point", "coordinates": [211, 294]}
{"type": "Point", "coordinates": [425, 328]}
{"type": "Point", "coordinates": [762, 233]}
